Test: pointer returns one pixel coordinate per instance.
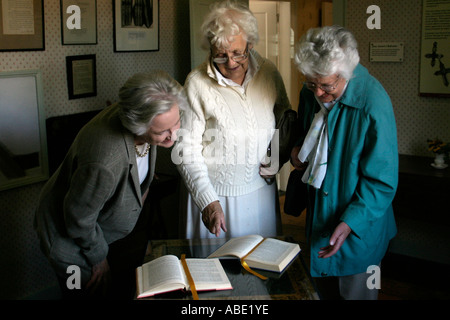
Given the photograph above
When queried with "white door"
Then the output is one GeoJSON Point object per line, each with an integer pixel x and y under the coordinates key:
{"type": "Point", "coordinates": [266, 15]}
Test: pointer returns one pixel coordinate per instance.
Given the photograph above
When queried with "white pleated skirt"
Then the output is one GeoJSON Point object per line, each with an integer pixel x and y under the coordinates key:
{"type": "Point", "coordinates": [254, 213]}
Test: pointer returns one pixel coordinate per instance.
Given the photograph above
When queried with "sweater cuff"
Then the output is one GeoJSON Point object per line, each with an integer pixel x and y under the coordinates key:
{"type": "Point", "coordinates": [206, 198]}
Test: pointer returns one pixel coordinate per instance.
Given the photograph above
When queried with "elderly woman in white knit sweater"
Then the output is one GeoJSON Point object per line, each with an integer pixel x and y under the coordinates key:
{"type": "Point", "coordinates": [224, 137]}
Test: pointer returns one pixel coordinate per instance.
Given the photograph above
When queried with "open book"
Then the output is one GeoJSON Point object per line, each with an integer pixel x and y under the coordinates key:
{"type": "Point", "coordinates": [260, 253]}
{"type": "Point", "coordinates": [166, 274]}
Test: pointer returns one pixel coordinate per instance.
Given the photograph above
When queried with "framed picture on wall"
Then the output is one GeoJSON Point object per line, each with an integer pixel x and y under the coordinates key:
{"type": "Point", "coordinates": [22, 25]}
{"type": "Point", "coordinates": [136, 25]}
{"type": "Point", "coordinates": [81, 76]}
{"type": "Point", "coordinates": [78, 22]}
{"type": "Point", "coordinates": [435, 46]}
{"type": "Point", "coordinates": [23, 139]}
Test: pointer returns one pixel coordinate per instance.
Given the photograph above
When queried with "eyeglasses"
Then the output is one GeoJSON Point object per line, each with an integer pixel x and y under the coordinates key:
{"type": "Point", "coordinates": [235, 58]}
{"type": "Point", "coordinates": [326, 87]}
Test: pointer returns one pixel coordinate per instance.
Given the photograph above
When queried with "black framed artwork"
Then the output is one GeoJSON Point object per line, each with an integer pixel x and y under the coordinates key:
{"type": "Point", "coordinates": [81, 76]}
{"type": "Point", "coordinates": [136, 25]}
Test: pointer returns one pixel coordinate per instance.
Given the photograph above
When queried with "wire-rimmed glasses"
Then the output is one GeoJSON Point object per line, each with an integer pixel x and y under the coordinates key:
{"type": "Point", "coordinates": [324, 87]}
{"type": "Point", "coordinates": [235, 58]}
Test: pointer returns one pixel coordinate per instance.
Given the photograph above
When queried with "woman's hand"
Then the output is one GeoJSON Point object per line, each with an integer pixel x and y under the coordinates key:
{"type": "Point", "coordinates": [267, 172]}
{"type": "Point", "coordinates": [214, 218]}
{"type": "Point", "coordinates": [337, 239]}
{"type": "Point", "coordinates": [100, 279]}
{"type": "Point", "coordinates": [298, 165]}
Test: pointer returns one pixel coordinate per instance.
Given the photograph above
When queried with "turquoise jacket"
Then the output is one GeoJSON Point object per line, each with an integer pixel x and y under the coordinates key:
{"type": "Point", "coordinates": [361, 178]}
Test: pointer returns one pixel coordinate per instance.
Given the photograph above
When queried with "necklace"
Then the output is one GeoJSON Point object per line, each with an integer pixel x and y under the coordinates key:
{"type": "Point", "coordinates": [142, 155]}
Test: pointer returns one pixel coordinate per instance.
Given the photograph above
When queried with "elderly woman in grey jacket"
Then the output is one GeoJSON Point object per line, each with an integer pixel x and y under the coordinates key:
{"type": "Point", "coordinates": [93, 202]}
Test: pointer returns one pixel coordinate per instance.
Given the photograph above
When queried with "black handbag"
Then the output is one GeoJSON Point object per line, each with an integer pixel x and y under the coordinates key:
{"type": "Point", "coordinates": [296, 199]}
{"type": "Point", "coordinates": [288, 134]}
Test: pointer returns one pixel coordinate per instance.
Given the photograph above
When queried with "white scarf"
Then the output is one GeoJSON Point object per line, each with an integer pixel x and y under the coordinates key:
{"type": "Point", "coordinates": [315, 146]}
{"type": "Point", "coordinates": [315, 149]}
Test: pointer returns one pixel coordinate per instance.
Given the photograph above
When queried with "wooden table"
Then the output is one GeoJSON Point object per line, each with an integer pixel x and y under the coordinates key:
{"type": "Point", "coordinates": [295, 283]}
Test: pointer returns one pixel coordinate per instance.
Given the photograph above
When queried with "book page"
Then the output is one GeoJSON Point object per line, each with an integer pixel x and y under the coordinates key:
{"type": "Point", "coordinates": [208, 274]}
{"type": "Point", "coordinates": [238, 247]}
{"type": "Point", "coordinates": [161, 271]}
{"type": "Point", "coordinates": [271, 250]}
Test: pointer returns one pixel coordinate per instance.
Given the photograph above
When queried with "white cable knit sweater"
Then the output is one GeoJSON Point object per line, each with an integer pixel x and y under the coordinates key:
{"type": "Point", "coordinates": [225, 134]}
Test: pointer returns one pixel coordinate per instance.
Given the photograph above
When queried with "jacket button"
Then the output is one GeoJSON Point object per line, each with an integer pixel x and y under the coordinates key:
{"type": "Point", "coordinates": [325, 193]}
{"type": "Point", "coordinates": [325, 234]}
{"type": "Point", "coordinates": [323, 274]}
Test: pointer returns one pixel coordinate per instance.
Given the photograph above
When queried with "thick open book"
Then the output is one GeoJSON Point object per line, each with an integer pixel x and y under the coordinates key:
{"type": "Point", "coordinates": [166, 274]}
{"type": "Point", "coordinates": [260, 253]}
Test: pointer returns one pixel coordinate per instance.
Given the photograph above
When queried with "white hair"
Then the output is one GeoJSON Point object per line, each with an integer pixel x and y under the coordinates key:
{"type": "Point", "coordinates": [226, 20]}
{"type": "Point", "coordinates": [146, 95]}
{"type": "Point", "coordinates": [327, 51]}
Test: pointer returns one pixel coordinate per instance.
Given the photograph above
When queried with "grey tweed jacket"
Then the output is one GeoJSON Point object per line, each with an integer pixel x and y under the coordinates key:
{"type": "Point", "coordinates": [94, 198]}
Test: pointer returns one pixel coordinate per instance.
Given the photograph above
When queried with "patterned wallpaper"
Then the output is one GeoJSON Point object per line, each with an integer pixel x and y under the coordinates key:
{"type": "Point", "coordinates": [418, 118]}
{"type": "Point", "coordinates": [113, 69]}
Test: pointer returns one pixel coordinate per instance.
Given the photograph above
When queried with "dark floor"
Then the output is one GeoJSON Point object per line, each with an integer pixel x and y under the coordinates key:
{"type": "Point", "coordinates": [402, 277]}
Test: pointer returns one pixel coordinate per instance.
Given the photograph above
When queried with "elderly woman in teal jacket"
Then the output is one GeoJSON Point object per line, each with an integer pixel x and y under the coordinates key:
{"type": "Point", "coordinates": [348, 153]}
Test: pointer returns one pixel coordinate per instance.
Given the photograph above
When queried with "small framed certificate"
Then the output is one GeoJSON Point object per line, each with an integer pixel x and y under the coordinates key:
{"type": "Point", "coordinates": [81, 76]}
